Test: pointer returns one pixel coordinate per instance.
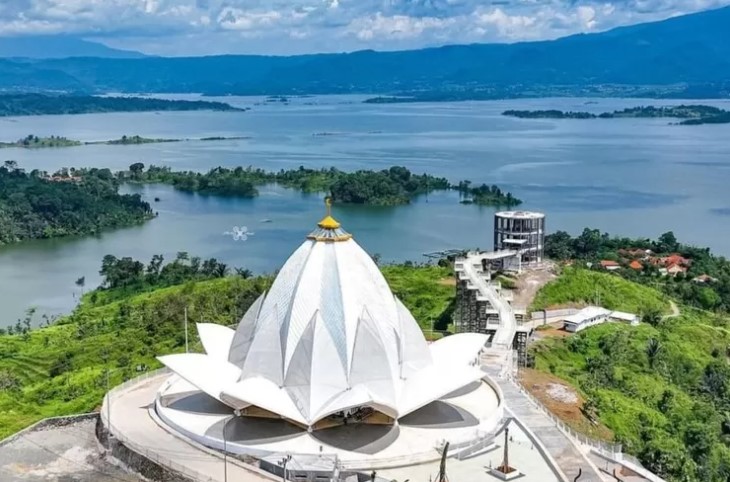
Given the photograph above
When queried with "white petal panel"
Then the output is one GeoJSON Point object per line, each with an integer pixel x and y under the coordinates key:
{"type": "Point", "coordinates": [245, 332]}
{"type": "Point", "coordinates": [209, 374]}
{"type": "Point", "coordinates": [216, 339]}
{"type": "Point", "coordinates": [267, 395]}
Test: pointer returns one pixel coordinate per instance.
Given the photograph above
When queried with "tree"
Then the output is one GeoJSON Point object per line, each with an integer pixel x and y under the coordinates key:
{"type": "Point", "coordinates": [708, 298]}
{"type": "Point", "coordinates": [136, 169]}
{"type": "Point", "coordinates": [558, 246]}
{"type": "Point", "coordinates": [81, 282]}
{"type": "Point", "coordinates": [667, 242]}
{"type": "Point", "coordinates": [651, 316]}
{"type": "Point", "coordinates": [653, 349]}
{"type": "Point", "coordinates": [244, 273]}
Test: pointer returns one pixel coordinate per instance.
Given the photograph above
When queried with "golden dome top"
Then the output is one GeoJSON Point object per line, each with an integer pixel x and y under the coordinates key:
{"type": "Point", "coordinates": [329, 228]}
{"type": "Point", "coordinates": [328, 222]}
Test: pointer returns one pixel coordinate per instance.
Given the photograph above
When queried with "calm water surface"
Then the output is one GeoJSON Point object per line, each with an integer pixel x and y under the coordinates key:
{"type": "Point", "coordinates": [638, 177]}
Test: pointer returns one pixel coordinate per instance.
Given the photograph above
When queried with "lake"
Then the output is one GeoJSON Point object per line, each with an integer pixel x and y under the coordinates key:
{"type": "Point", "coordinates": [635, 177]}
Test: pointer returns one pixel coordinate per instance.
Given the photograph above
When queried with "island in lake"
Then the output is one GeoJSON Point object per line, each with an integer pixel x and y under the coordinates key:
{"type": "Point", "coordinates": [388, 187]}
{"type": "Point", "coordinates": [40, 104]}
{"type": "Point", "coordinates": [34, 142]}
{"type": "Point", "coordinates": [692, 114]}
{"type": "Point", "coordinates": [36, 205]}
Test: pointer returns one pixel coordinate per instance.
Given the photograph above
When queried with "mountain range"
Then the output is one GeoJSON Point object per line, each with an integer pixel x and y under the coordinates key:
{"type": "Point", "coordinates": [57, 47]}
{"type": "Point", "coordinates": [691, 51]}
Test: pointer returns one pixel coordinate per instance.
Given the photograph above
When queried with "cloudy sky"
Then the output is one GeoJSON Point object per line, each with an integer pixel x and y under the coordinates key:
{"type": "Point", "coordinates": [195, 27]}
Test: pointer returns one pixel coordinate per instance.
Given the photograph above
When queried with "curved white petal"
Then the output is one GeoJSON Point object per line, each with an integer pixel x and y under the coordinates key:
{"type": "Point", "coordinates": [262, 393]}
{"type": "Point", "coordinates": [209, 374]}
{"type": "Point", "coordinates": [458, 350]}
{"type": "Point", "coordinates": [216, 339]}
{"type": "Point", "coordinates": [434, 383]}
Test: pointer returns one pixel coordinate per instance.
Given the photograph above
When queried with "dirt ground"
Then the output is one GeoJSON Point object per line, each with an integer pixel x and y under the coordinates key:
{"type": "Point", "coordinates": [450, 281]}
{"type": "Point", "coordinates": [554, 330]}
{"type": "Point", "coordinates": [529, 283]}
{"type": "Point", "coordinates": [563, 401]}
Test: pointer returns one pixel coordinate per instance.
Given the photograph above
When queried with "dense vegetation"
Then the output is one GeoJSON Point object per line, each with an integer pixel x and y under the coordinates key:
{"type": "Point", "coordinates": [393, 186]}
{"type": "Point", "coordinates": [592, 246]}
{"type": "Point", "coordinates": [34, 206]}
{"type": "Point", "coordinates": [663, 390]}
{"type": "Point", "coordinates": [486, 195]}
{"type": "Point", "coordinates": [663, 387]}
{"type": "Point", "coordinates": [32, 141]}
{"type": "Point", "coordinates": [138, 314]}
{"type": "Point", "coordinates": [38, 104]}
{"type": "Point", "coordinates": [692, 114]}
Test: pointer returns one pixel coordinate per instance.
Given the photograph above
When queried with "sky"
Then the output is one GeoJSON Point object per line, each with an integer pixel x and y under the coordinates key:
{"type": "Point", "coordinates": [201, 27]}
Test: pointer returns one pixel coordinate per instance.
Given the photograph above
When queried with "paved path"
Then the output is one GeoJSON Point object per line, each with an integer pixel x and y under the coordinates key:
{"type": "Point", "coordinates": [568, 457]}
{"type": "Point", "coordinates": [131, 420]}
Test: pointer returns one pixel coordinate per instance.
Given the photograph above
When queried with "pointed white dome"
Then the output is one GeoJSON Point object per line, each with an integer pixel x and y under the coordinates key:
{"type": "Point", "coordinates": [329, 336]}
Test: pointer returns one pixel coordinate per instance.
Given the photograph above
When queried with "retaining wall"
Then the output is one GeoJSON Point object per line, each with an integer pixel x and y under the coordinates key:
{"type": "Point", "coordinates": [50, 422]}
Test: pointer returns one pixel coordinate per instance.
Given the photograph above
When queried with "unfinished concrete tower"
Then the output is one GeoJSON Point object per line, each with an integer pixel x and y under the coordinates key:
{"type": "Point", "coordinates": [522, 231]}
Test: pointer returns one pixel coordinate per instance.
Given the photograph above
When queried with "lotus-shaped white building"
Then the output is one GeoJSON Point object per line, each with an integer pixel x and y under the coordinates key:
{"type": "Point", "coordinates": [328, 344]}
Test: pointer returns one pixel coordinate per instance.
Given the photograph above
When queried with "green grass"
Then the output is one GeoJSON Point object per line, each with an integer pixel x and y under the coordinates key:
{"type": "Point", "coordinates": [424, 291]}
{"type": "Point", "coordinates": [61, 369]}
{"type": "Point", "coordinates": [583, 287]}
{"type": "Point", "coordinates": [669, 413]}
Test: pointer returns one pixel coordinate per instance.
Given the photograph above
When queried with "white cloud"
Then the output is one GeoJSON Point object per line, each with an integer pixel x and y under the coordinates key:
{"type": "Point", "coordinates": [179, 27]}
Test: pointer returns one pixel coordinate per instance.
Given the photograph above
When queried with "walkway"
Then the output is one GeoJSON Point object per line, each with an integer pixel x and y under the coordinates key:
{"type": "Point", "coordinates": [565, 453]}
{"type": "Point", "coordinates": [507, 322]}
{"type": "Point", "coordinates": [131, 421]}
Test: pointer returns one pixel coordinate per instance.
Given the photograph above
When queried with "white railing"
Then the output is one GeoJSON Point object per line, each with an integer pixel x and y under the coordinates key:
{"type": "Point", "coordinates": [606, 448]}
{"type": "Point", "coordinates": [155, 457]}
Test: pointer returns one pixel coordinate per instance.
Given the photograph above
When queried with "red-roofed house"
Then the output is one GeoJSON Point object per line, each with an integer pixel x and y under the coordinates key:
{"type": "Point", "coordinates": [609, 265]}
{"type": "Point", "coordinates": [636, 265]}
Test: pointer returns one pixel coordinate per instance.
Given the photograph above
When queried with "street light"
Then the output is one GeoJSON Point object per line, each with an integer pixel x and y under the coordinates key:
{"type": "Point", "coordinates": [225, 451]}
{"type": "Point", "coordinates": [283, 463]}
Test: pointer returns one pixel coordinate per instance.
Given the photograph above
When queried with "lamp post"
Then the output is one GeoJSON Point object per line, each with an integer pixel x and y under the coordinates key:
{"type": "Point", "coordinates": [283, 463]}
{"type": "Point", "coordinates": [225, 450]}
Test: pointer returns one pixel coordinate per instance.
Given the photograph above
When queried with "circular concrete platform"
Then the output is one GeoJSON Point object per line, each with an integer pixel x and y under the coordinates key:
{"type": "Point", "coordinates": [465, 415]}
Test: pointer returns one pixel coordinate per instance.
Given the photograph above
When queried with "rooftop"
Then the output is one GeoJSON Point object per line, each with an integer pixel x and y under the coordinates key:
{"type": "Point", "coordinates": [520, 214]}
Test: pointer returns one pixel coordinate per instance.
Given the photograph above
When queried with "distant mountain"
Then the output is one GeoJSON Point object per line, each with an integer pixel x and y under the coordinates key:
{"type": "Point", "coordinates": [692, 51]}
{"type": "Point", "coordinates": [57, 47]}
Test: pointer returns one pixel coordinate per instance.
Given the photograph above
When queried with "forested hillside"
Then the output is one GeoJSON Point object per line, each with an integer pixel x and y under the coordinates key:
{"type": "Point", "coordinates": [35, 205]}
{"type": "Point", "coordinates": [662, 388]}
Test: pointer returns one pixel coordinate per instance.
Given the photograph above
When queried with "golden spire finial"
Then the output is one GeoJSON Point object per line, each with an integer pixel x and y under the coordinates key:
{"type": "Point", "coordinates": [328, 222]}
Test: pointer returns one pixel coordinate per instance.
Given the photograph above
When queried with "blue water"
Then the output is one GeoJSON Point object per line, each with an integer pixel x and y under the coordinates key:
{"type": "Point", "coordinates": [635, 177]}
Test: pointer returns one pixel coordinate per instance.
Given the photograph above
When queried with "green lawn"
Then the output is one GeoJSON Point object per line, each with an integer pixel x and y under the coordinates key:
{"type": "Point", "coordinates": [584, 287]}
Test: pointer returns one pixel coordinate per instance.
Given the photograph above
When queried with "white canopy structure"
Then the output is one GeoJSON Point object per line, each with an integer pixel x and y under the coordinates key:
{"type": "Point", "coordinates": [328, 341]}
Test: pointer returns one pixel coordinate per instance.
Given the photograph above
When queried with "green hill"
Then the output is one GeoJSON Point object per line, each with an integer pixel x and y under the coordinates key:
{"type": "Point", "coordinates": [578, 286]}
{"type": "Point", "coordinates": [663, 390]}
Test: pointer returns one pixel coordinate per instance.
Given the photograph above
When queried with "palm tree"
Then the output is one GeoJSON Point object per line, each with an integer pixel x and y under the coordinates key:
{"type": "Point", "coordinates": [244, 273]}
{"type": "Point", "coordinates": [81, 282]}
{"type": "Point", "coordinates": [221, 270]}
{"type": "Point", "coordinates": [653, 349]}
